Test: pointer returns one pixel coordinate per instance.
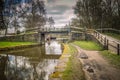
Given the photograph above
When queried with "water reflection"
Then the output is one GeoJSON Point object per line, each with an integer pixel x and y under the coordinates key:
{"type": "Point", "coordinates": [53, 47]}
{"type": "Point", "coordinates": [29, 64]}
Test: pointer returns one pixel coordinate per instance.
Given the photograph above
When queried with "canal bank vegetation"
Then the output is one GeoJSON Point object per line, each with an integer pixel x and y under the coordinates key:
{"type": "Point", "coordinates": [69, 66]}
{"type": "Point", "coordinates": [111, 57]}
{"type": "Point", "coordinates": [73, 70]}
{"type": "Point", "coordinates": [13, 44]}
{"type": "Point", "coordinates": [27, 33]}
{"type": "Point", "coordinates": [88, 45]}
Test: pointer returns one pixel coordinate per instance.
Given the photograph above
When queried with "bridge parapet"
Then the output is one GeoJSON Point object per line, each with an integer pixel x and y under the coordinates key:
{"type": "Point", "coordinates": [54, 29]}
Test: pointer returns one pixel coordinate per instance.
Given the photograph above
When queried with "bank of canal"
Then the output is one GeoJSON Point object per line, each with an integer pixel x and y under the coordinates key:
{"type": "Point", "coordinates": [35, 63]}
{"type": "Point", "coordinates": [69, 67]}
{"type": "Point", "coordinates": [6, 46]}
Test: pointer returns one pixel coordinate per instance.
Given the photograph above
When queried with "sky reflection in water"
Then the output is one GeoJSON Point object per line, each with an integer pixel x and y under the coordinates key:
{"type": "Point", "coordinates": [32, 63]}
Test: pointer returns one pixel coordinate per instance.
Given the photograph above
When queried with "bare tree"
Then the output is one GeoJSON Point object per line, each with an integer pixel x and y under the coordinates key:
{"type": "Point", "coordinates": [38, 13]}
{"type": "Point", "coordinates": [51, 21]}
{"type": "Point", "coordinates": [2, 23]}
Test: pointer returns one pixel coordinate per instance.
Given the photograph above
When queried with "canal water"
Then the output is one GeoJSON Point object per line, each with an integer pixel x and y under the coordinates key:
{"type": "Point", "coordinates": [31, 63]}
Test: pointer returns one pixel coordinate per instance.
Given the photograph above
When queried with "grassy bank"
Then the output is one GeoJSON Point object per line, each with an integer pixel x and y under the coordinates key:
{"type": "Point", "coordinates": [111, 57]}
{"type": "Point", "coordinates": [117, 36]}
{"type": "Point", "coordinates": [73, 70]}
{"type": "Point", "coordinates": [88, 45]}
{"type": "Point", "coordinates": [12, 44]}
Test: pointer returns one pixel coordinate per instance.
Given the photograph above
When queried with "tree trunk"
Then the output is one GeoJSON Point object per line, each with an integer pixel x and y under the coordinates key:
{"type": "Point", "coordinates": [6, 31]}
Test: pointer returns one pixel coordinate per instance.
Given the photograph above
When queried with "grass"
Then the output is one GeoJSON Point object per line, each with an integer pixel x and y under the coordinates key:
{"type": "Point", "coordinates": [72, 49]}
{"type": "Point", "coordinates": [117, 36]}
{"type": "Point", "coordinates": [29, 33]}
{"type": "Point", "coordinates": [111, 57]}
{"type": "Point", "coordinates": [12, 44]}
{"type": "Point", "coordinates": [26, 33]}
{"type": "Point", "coordinates": [73, 70]}
{"type": "Point", "coordinates": [88, 45]}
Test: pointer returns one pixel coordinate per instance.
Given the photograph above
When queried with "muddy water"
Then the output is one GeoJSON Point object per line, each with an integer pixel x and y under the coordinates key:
{"type": "Point", "coordinates": [30, 64]}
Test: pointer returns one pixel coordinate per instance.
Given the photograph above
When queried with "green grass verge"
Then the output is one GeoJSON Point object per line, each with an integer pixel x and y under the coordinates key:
{"type": "Point", "coordinates": [72, 49]}
{"type": "Point", "coordinates": [111, 57]}
{"type": "Point", "coordinates": [117, 36]}
{"type": "Point", "coordinates": [26, 33]}
{"type": "Point", "coordinates": [88, 45]}
{"type": "Point", "coordinates": [12, 44]}
{"type": "Point", "coordinates": [73, 70]}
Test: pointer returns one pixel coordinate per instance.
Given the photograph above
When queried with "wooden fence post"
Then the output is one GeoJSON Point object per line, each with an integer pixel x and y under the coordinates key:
{"type": "Point", "coordinates": [98, 35]}
{"type": "Point", "coordinates": [101, 38]}
{"type": "Point", "coordinates": [104, 43]}
{"type": "Point", "coordinates": [95, 34]}
{"type": "Point", "coordinates": [118, 49]}
{"type": "Point", "coordinates": [107, 44]}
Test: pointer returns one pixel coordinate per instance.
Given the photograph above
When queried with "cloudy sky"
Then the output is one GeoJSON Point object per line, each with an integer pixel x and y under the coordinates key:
{"type": "Point", "coordinates": [60, 10]}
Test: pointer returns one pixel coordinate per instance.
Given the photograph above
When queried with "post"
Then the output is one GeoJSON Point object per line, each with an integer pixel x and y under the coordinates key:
{"type": "Point", "coordinates": [105, 41]}
{"type": "Point", "coordinates": [42, 38]}
{"type": "Point", "coordinates": [98, 35]}
{"type": "Point", "coordinates": [107, 44]}
{"type": "Point", "coordinates": [118, 49]}
{"type": "Point", "coordinates": [94, 33]}
{"type": "Point", "coordinates": [101, 38]}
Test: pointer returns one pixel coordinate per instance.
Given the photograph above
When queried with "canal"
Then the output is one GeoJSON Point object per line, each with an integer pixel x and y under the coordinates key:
{"type": "Point", "coordinates": [35, 63]}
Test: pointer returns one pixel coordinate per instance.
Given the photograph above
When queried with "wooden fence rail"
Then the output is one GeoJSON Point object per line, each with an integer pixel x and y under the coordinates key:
{"type": "Point", "coordinates": [108, 30]}
{"type": "Point", "coordinates": [107, 43]}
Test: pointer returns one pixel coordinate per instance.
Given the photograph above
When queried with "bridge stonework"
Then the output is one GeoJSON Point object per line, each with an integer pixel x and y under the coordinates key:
{"type": "Point", "coordinates": [64, 34]}
{"type": "Point", "coordinates": [72, 33]}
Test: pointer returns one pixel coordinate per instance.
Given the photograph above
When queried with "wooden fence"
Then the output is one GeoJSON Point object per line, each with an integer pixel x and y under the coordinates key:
{"type": "Point", "coordinates": [108, 44]}
{"type": "Point", "coordinates": [109, 30]}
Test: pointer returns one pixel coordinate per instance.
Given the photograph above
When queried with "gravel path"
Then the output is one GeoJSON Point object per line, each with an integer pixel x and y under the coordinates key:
{"type": "Point", "coordinates": [96, 67]}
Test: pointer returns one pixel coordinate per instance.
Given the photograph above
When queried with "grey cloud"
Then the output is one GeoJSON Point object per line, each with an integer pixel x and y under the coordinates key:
{"type": "Point", "coordinates": [60, 10]}
{"type": "Point", "coordinates": [54, 12]}
{"type": "Point", "coordinates": [51, 1]}
{"type": "Point", "coordinates": [62, 21]}
{"type": "Point", "coordinates": [58, 18]}
{"type": "Point", "coordinates": [61, 7]}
